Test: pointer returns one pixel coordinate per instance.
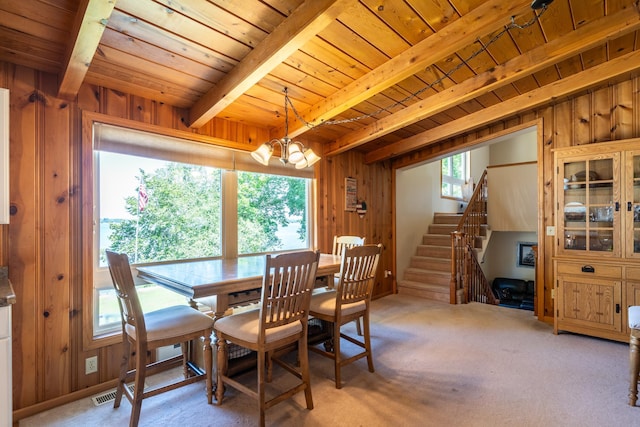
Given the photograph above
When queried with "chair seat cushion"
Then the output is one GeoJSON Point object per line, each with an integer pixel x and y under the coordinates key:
{"type": "Point", "coordinates": [172, 322]}
{"type": "Point", "coordinates": [246, 326]}
{"type": "Point", "coordinates": [325, 303]}
{"type": "Point", "coordinates": [634, 317]}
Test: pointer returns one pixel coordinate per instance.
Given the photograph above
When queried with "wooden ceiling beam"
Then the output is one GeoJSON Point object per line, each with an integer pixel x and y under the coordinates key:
{"type": "Point", "coordinates": [454, 37]}
{"type": "Point", "coordinates": [90, 22]}
{"type": "Point", "coordinates": [548, 94]}
{"type": "Point", "coordinates": [584, 38]}
{"type": "Point", "coordinates": [302, 25]}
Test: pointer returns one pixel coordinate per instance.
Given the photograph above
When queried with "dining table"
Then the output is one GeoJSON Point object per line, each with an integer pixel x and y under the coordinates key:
{"type": "Point", "coordinates": [222, 283]}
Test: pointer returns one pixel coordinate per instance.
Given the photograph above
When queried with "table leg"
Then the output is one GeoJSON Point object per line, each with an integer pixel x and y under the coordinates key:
{"type": "Point", "coordinates": [220, 346]}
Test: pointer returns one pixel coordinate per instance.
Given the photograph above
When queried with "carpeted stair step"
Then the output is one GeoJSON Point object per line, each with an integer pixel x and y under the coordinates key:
{"type": "Point", "coordinates": [430, 263]}
{"type": "Point", "coordinates": [446, 218]}
{"type": "Point", "coordinates": [429, 291]}
{"type": "Point", "coordinates": [446, 229]}
{"type": "Point", "coordinates": [434, 277]}
{"type": "Point", "coordinates": [434, 251]}
{"type": "Point", "coordinates": [436, 239]}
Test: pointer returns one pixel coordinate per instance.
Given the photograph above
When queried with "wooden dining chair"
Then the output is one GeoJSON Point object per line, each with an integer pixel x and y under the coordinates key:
{"type": "Point", "coordinates": [143, 332]}
{"type": "Point", "coordinates": [340, 243]}
{"type": "Point", "coordinates": [348, 301]}
{"type": "Point", "coordinates": [279, 322]}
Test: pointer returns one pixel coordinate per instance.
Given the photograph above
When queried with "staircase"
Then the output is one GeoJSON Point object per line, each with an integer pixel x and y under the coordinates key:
{"type": "Point", "coordinates": [446, 266]}
{"type": "Point", "coordinates": [429, 273]}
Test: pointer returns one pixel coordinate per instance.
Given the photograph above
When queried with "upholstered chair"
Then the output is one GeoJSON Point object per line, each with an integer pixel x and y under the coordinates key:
{"type": "Point", "coordinates": [279, 322]}
{"type": "Point", "coordinates": [144, 332]}
{"type": "Point", "coordinates": [348, 301]}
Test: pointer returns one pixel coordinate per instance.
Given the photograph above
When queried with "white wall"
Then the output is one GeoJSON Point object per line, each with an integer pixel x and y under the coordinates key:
{"type": "Point", "coordinates": [501, 256]}
{"type": "Point", "coordinates": [500, 259]}
{"type": "Point", "coordinates": [519, 148]}
{"type": "Point", "coordinates": [417, 211]}
{"type": "Point", "coordinates": [479, 160]}
{"type": "Point", "coordinates": [418, 196]}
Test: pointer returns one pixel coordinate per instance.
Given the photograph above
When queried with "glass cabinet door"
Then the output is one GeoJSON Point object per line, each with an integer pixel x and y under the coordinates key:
{"type": "Point", "coordinates": [589, 205]}
{"type": "Point", "coordinates": [632, 205]}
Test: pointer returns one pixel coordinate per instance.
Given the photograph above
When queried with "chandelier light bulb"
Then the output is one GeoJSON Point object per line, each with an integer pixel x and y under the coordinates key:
{"type": "Point", "coordinates": [263, 153]}
{"type": "Point", "coordinates": [295, 153]}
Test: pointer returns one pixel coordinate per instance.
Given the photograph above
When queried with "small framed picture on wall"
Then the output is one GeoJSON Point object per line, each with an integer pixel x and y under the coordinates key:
{"type": "Point", "coordinates": [526, 255]}
{"type": "Point", "coordinates": [350, 194]}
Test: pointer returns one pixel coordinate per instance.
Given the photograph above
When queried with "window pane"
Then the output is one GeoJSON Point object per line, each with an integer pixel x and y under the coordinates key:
{"type": "Point", "coordinates": [454, 174]}
{"type": "Point", "coordinates": [446, 166]}
{"type": "Point", "coordinates": [272, 213]}
{"type": "Point", "coordinates": [152, 297]}
{"type": "Point", "coordinates": [458, 170]}
{"type": "Point", "coordinates": [156, 210]}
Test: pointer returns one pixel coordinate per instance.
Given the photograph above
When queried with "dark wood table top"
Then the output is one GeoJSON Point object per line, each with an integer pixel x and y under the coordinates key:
{"type": "Point", "coordinates": [199, 279]}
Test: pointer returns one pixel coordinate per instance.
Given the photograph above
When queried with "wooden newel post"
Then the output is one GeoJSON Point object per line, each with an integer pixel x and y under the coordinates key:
{"type": "Point", "coordinates": [457, 266]}
{"type": "Point", "coordinates": [466, 276]}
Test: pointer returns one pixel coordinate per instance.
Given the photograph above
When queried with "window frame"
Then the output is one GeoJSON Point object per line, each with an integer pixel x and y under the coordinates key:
{"type": "Point", "coordinates": [90, 200]}
{"type": "Point", "coordinates": [449, 179]}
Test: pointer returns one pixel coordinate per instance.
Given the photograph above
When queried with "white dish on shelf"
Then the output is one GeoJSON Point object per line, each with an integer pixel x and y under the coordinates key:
{"type": "Point", "coordinates": [575, 211]}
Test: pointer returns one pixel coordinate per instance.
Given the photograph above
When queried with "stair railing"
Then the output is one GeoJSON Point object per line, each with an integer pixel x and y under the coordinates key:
{"type": "Point", "coordinates": [476, 286]}
{"type": "Point", "coordinates": [466, 235]}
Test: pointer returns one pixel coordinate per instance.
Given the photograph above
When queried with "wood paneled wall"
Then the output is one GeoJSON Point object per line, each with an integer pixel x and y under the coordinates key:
{"type": "Point", "coordinates": [374, 188]}
{"type": "Point", "coordinates": [43, 245]}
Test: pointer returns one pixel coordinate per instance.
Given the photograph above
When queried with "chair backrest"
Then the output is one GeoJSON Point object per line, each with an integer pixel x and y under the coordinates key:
{"type": "Point", "coordinates": [340, 243]}
{"type": "Point", "coordinates": [358, 273]}
{"type": "Point", "coordinates": [286, 288]}
{"type": "Point", "coordinates": [130, 308]}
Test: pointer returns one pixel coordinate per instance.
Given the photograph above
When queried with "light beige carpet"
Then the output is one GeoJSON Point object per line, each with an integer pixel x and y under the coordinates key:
{"type": "Point", "coordinates": [436, 365]}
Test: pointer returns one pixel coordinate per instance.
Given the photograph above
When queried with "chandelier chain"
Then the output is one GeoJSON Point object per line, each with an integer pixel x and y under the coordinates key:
{"type": "Point", "coordinates": [483, 48]}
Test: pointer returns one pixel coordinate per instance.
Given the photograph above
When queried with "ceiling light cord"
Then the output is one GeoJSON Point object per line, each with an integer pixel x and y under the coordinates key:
{"type": "Point", "coordinates": [446, 75]}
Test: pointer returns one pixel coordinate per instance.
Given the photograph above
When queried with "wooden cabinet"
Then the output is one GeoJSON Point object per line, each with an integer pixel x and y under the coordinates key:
{"type": "Point", "coordinates": [631, 206]}
{"type": "Point", "coordinates": [589, 298]}
{"type": "Point", "coordinates": [597, 238]}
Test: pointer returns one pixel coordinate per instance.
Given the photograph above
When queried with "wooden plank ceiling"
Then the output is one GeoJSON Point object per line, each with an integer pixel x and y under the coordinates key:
{"type": "Point", "coordinates": [382, 76]}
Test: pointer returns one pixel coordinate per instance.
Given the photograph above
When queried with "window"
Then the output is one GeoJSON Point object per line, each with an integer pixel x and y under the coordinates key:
{"type": "Point", "coordinates": [455, 173]}
{"type": "Point", "coordinates": [153, 210]}
{"type": "Point", "coordinates": [160, 201]}
{"type": "Point", "coordinates": [156, 210]}
{"type": "Point", "coordinates": [272, 213]}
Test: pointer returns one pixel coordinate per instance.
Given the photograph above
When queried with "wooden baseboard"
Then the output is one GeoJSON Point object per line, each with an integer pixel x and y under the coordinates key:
{"type": "Point", "coordinates": [28, 411]}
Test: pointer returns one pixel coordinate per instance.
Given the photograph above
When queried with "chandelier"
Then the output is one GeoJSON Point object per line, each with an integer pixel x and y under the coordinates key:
{"type": "Point", "coordinates": [292, 152]}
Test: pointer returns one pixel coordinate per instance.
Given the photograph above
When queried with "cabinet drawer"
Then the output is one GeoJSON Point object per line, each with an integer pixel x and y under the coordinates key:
{"type": "Point", "coordinates": [590, 269]}
{"type": "Point", "coordinates": [633, 273]}
{"type": "Point", "coordinates": [5, 322]}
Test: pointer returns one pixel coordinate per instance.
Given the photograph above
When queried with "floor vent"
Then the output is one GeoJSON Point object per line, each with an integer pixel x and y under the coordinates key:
{"type": "Point", "coordinates": [107, 396]}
